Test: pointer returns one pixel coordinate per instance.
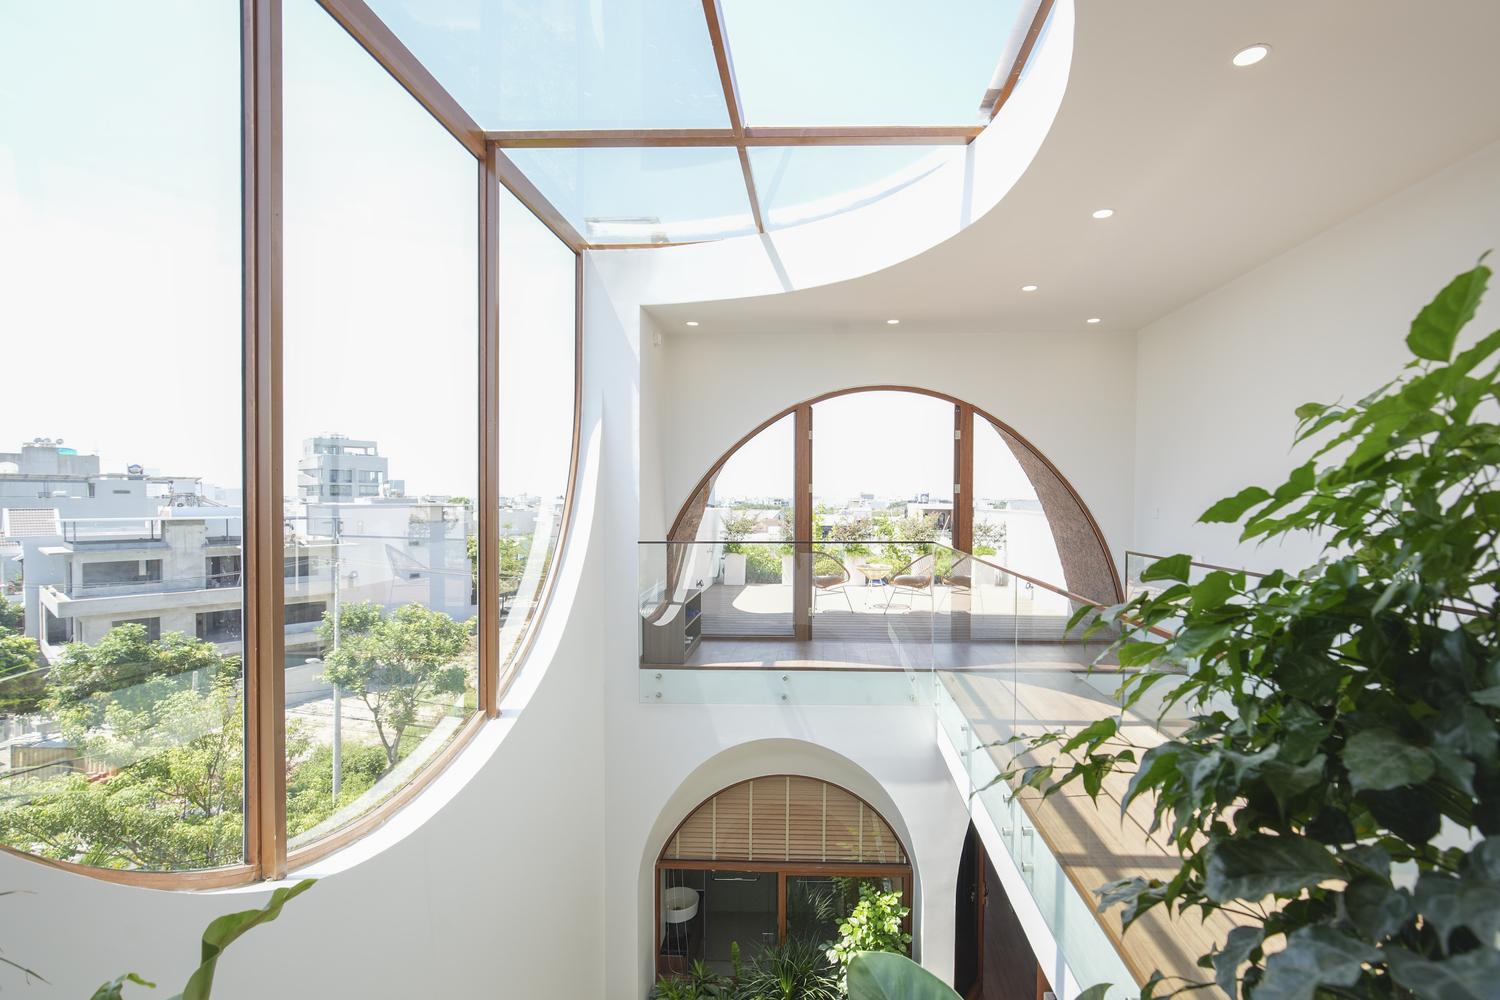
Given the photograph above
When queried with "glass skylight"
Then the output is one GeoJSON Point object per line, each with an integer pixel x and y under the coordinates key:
{"type": "Point", "coordinates": [542, 64]}
{"type": "Point", "coordinates": [804, 183]}
{"type": "Point", "coordinates": [657, 194]}
{"type": "Point", "coordinates": [646, 121]}
{"type": "Point", "coordinates": [866, 62]}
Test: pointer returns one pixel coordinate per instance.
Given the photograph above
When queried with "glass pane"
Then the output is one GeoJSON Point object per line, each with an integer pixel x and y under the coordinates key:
{"type": "Point", "coordinates": [381, 369]}
{"type": "Point", "coordinates": [865, 62]}
{"type": "Point", "coordinates": [744, 566]}
{"type": "Point", "coordinates": [537, 338]}
{"type": "Point", "coordinates": [882, 493]}
{"type": "Point", "coordinates": [738, 907]}
{"type": "Point", "coordinates": [545, 64]}
{"type": "Point", "coordinates": [817, 904]}
{"type": "Point", "coordinates": [120, 729]}
{"type": "Point", "coordinates": [643, 195]}
{"type": "Point", "coordinates": [804, 183]}
{"type": "Point", "coordinates": [1010, 526]}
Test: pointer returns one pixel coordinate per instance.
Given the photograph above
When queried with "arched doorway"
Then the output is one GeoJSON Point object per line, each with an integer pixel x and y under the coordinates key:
{"type": "Point", "coordinates": [765, 860]}
{"type": "Point", "coordinates": [905, 463]}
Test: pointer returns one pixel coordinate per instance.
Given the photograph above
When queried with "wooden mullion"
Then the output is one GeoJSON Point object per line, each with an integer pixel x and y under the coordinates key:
{"type": "Point", "coordinates": [262, 521]}
{"type": "Point", "coordinates": [750, 192]}
{"type": "Point", "coordinates": [815, 135]}
{"type": "Point", "coordinates": [1022, 55]}
{"type": "Point", "coordinates": [489, 437]}
{"type": "Point", "coordinates": [366, 28]}
{"type": "Point", "coordinates": [714, 15]}
{"type": "Point", "coordinates": [802, 503]}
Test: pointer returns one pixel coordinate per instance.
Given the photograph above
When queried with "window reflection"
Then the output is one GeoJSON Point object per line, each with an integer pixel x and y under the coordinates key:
{"type": "Point", "coordinates": [381, 436]}
{"type": "Point", "coordinates": [120, 723]}
{"type": "Point", "coordinates": [537, 289]}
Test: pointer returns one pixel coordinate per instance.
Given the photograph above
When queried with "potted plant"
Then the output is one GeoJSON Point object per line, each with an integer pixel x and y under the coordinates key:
{"type": "Point", "coordinates": [737, 528]}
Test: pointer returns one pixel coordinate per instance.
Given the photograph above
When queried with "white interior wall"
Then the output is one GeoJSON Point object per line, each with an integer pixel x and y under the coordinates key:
{"type": "Point", "coordinates": [1071, 395]}
{"type": "Point", "coordinates": [1218, 379]}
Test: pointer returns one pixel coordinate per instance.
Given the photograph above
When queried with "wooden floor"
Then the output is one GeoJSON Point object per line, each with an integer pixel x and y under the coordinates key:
{"type": "Point", "coordinates": [1095, 842]}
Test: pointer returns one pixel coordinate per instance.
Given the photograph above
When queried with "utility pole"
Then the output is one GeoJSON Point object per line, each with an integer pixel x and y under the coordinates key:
{"type": "Point", "coordinates": [338, 697]}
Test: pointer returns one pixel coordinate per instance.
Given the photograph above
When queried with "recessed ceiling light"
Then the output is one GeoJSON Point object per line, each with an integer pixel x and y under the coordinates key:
{"type": "Point", "coordinates": [1252, 55]}
{"type": "Point", "coordinates": [691, 322]}
{"type": "Point", "coordinates": [892, 322]}
{"type": "Point", "coordinates": [1103, 213]}
{"type": "Point", "coordinates": [1094, 319]}
{"type": "Point", "coordinates": [1028, 288]}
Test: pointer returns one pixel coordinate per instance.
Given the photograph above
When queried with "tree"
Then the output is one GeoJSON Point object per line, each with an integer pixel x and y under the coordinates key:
{"type": "Point", "coordinates": [395, 663]}
{"type": "Point", "coordinates": [988, 537]}
{"type": "Point", "coordinates": [514, 551]}
{"type": "Point", "coordinates": [1343, 716]}
{"type": "Point", "coordinates": [738, 527]}
{"type": "Point", "coordinates": [873, 925]}
{"type": "Point", "coordinates": [19, 654]}
{"type": "Point", "coordinates": [157, 735]}
{"type": "Point", "coordinates": [12, 616]}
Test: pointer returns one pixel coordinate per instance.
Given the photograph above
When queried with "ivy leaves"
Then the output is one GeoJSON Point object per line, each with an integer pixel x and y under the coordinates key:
{"type": "Point", "coordinates": [1340, 716]}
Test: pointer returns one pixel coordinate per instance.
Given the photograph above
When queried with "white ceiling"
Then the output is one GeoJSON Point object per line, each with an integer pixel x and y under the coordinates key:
{"type": "Point", "coordinates": [1211, 169]}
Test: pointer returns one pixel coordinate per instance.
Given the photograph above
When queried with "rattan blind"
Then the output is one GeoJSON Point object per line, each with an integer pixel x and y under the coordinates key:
{"type": "Point", "coordinates": [785, 818]}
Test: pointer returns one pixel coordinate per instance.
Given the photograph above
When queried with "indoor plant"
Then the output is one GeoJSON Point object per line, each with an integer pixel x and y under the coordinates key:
{"type": "Point", "coordinates": [1338, 789]}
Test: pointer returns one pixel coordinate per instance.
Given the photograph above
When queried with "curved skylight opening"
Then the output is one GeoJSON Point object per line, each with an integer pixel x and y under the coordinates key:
{"type": "Point", "coordinates": [656, 122]}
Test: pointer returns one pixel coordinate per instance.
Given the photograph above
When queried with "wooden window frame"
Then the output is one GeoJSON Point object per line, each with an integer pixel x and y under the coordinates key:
{"type": "Point", "coordinates": [367, 27]}
{"type": "Point", "coordinates": [782, 869]}
{"type": "Point", "coordinates": [266, 854]}
{"type": "Point", "coordinates": [966, 417]}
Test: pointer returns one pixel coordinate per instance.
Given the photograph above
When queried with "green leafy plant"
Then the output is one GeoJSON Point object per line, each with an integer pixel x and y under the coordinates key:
{"type": "Point", "coordinates": [220, 934]}
{"type": "Point", "coordinates": [737, 527]}
{"type": "Point", "coordinates": [792, 970]}
{"type": "Point", "coordinates": [876, 975]}
{"type": "Point", "coordinates": [700, 983]}
{"type": "Point", "coordinates": [873, 925]}
{"type": "Point", "coordinates": [395, 663]}
{"type": "Point", "coordinates": [1337, 789]}
{"type": "Point", "coordinates": [883, 975]}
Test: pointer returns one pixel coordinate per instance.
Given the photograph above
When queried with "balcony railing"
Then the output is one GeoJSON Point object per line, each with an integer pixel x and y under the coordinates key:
{"type": "Point", "coordinates": [983, 648]}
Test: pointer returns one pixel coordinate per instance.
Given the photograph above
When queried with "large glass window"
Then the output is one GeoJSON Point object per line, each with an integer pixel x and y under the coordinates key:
{"type": "Point", "coordinates": [538, 296]}
{"type": "Point", "coordinates": [1010, 526]}
{"type": "Point", "coordinates": [744, 568]}
{"type": "Point", "coordinates": [120, 729]}
{"type": "Point", "coordinates": [381, 375]}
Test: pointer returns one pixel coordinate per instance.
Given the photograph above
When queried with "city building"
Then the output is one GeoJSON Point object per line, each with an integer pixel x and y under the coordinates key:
{"type": "Point", "coordinates": [334, 467]}
{"type": "Point", "coordinates": [974, 500]}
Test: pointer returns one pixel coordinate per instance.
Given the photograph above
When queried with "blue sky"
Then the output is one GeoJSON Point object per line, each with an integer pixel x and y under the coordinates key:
{"type": "Point", "coordinates": [120, 254]}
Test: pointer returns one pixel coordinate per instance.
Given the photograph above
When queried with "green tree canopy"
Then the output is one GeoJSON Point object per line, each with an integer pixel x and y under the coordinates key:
{"type": "Point", "coordinates": [1337, 789]}
{"type": "Point", "coordinates": [396, 663]}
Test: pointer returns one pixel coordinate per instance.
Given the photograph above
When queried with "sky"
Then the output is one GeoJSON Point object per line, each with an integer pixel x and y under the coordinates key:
{"type": "Point", "coordinates": [895, 445]}
{"type": "Point", "coordinates": [120, 256]}
{"type": "Point", "coordinates": [633, 64]}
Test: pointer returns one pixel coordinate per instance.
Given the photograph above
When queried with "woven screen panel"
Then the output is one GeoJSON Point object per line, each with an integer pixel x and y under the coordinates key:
{"type": "Point", "coordinates": [805, 808]}
{"type": "Point", "coordinates": [768, 819]}
{"type": "Point", "coordinates": [785, 818]}
{"type": "Point", "coordinates": [732, 808]}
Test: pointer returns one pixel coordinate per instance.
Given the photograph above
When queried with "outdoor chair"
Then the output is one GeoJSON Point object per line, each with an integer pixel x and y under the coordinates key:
{"type": "Point", "coordinates": [915, 578]}
{"type": "Point", "coordinates": [829, 575]}
{"type": "Point", "coordinates": [960, 579]}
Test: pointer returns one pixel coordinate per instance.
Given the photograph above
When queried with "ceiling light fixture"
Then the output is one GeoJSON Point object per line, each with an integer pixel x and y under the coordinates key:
{"type": "Point", "coordinates": [1094, 319]}
{"type": "Point", "coordinates": [691, 322]}
{"type": "Point", "coordinates": [1028, 288]}
{"type": "Point", "coordinates": [1252, 55]}
{"type": "Point", "coordinates": [892, 322]}
{"type": "Point", "coordinates": [1103, 213]}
